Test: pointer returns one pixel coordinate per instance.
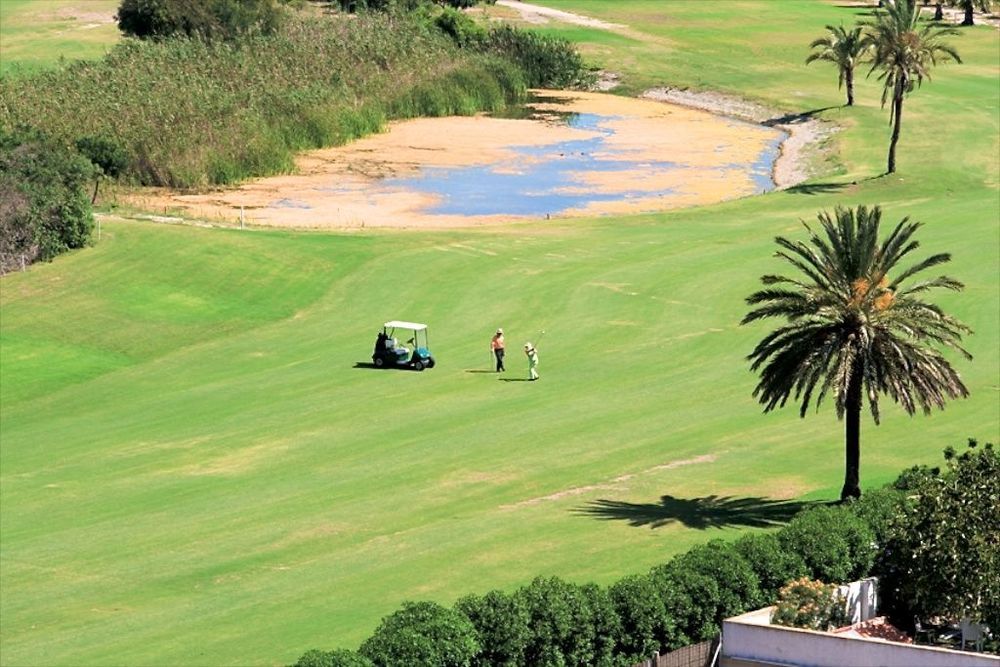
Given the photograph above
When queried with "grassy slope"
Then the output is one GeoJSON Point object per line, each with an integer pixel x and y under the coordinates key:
{"type": "Point", "coordinates": [189, 453]}
{"type": "Point", "coordinates": [35, 34]}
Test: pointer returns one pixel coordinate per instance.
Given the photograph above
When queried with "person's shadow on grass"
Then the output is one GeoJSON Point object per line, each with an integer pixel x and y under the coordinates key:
{"type": "Point", "coordinates": [700, 513]}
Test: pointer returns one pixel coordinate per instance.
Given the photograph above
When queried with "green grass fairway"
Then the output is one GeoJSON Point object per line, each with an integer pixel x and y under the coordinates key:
{"type": "Point", "coordinates": [193, 471]}
{"type": "Point", "coordinates": [35, 34]}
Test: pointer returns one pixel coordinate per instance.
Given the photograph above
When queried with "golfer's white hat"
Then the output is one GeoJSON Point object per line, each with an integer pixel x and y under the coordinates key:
{"type": "Point", "coordinates": [527, 346]}
{"type": "Point", "coordinates": [499, 330]}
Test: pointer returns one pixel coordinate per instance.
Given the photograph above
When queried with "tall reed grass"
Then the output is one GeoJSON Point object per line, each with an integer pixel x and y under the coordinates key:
{"type": "Point", "coordinates": [192, 113]}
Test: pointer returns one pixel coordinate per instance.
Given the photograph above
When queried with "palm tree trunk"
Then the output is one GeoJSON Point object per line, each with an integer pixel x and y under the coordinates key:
{"type": "Point", "coordinates": [850, 86]}
{"type": "Point", "coordinates": [938, 12]}
{"type": "Point", "coordinates": [968, 15]}
{"type": "Point", "coordinates": [852, 437]}
{"type": "Point", "coordinates": [897, 113]}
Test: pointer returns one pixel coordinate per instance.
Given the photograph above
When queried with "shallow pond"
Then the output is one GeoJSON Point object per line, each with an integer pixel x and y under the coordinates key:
{"type": "Point", "coordinates": [574, 154]}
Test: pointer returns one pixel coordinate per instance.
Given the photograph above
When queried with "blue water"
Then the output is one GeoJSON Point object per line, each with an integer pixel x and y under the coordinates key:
{"type": "Point", "coordinates": [548, 180]}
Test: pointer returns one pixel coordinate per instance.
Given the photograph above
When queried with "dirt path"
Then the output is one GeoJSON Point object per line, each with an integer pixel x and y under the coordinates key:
{"type": "Point", "coordinates": [538, 14]}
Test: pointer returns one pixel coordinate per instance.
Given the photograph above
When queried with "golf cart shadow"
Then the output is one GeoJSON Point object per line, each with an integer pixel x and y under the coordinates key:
{"type": "Point", "coordinates": [367, 365]}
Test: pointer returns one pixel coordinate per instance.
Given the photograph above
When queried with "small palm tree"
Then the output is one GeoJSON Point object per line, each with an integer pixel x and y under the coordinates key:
{"type": "Point", "coordinates": [853, 329]}
{"type": "Point", "coordinates": [904, 50]}
{"type": "Point", "coordinates": [843, 48]}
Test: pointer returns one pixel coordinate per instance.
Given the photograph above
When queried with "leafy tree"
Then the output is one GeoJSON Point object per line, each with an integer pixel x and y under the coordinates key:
{"type": "Point", "coordinates": [502, 623]}
{"type": "Point", "coordinates": [969, 6]}
{"type": "Point", "coordinates": [844, 48]}
{"type": "Point", "coordinates": [904, 48]}
{"type": "Point", "coordinates": [944, 555]}
{"type": "Point", "coordinates": [44, 208]}
{"type": "Point", "coordinates": [222, 19]}
{"type": "Point", "coordinates": [108, 157]}
{"type": "Point", "coordinates": [422, 633]}
{"type": "Point", "coordinates": [853, 329]}
{"type": "Point", "coordinates": [836, 545]}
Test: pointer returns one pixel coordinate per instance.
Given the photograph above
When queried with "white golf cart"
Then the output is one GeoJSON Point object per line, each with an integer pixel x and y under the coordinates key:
{"type": "Point", "coordinates": [390, 353]}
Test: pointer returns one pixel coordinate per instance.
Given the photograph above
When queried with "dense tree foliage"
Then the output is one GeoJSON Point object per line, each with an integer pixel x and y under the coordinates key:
{"type": "Point", "coordinates": [422, 633]}
{"type": "Point", "coordinates": [837, 546]}
{"type": "Point", "coordinates": [503, 624]}
{"type": "Point", "coordinates": [212, 19]}
{"type": "Point", "coordinates": [44, 208]}
{"type": "Point", "coordinates": [856, 327]}
{"type": "Point", "coordinates": [943, 557]}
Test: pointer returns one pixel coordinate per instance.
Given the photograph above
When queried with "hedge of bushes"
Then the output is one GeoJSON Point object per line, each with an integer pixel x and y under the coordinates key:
{"type": "Point", "coordinates": [554, 623]}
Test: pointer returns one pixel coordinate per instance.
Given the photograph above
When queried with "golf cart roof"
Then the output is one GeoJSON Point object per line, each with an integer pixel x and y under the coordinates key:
{"type": "Point", "coordinates": [398, 324]}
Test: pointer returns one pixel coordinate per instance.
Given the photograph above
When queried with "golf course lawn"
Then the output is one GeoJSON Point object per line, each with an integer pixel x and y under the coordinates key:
{"type": "Point", "coordinates": [38, 33]}
{"type": "Point", "coordinates": [194, 472]}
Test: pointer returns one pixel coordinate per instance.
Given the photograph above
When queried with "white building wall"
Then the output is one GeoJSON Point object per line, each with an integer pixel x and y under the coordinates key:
{"type": "Point", "coordinates": [750, 638]}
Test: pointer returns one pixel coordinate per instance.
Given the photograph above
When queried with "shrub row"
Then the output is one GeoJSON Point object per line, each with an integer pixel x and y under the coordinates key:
{"type": "Point", "coordinates": [553, 623]}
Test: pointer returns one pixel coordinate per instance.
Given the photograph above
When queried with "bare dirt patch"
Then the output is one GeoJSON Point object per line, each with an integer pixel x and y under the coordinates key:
{"type": "Point", "coordinates": [537, 14]}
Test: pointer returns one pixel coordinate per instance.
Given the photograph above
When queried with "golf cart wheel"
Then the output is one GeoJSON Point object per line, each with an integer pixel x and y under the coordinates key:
{"type": "Point", "coordinates": [430, 362]}
{"type": "Point", "coordinates": [418, 365]}
{"type": "Point", "coordinates": [379, 362]}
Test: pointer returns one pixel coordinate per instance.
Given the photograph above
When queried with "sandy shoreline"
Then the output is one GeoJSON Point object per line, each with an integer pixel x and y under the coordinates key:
{"type": "Point", "coordinates": [804, 132]}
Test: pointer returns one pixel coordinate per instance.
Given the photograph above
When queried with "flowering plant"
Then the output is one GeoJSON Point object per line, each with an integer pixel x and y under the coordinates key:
{"type": "Point", "coordinates": [805, 603]}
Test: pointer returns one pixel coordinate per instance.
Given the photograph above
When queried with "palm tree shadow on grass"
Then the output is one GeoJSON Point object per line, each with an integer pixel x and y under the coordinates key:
{"type": "Point", "coordinates": [700, 513]}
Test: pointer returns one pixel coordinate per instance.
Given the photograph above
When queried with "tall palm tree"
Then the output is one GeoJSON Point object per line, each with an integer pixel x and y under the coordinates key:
{"type": "Point", "coordinates": [853, 329]}
{"type": "Point", "coordinates": [969, 6]}
{"type": "Point", "coordinates": [843, 48]}
{"type": "Point", "coordinates": [904, 49]}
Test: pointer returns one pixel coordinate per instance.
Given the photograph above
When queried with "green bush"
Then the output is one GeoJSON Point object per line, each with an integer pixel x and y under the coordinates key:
{"type": "Point", "coordinates": [812, 605]}
{"type": "Point", "coordinates": [878, 508]}
{"type": "Point", "coordinates": [221, 19]}
{"type": "Point", "coordinates": [643, 616]}
{"type": "Point", "coordinates": [44, 207]}
{"type": "Point", "coordinates": [422, 633]}
{"type": "Point", "coordinates": [690, 599]}
{"type": "Point", "coordinates": [462, 29]}
{"type": "Point", "coordinates": [502, 624]}
{"type": "Point", "coordinates": [738, 585]}
{"type": "Point", "coordinates": [338, 658]}
{"type": "Point", "coordinates": [773, 565]}
{"type": "Point", "coordinates": [547, 62]}
{"type": "Point", "coordinates": [562, 623]}
{"type": "Point", "coordinates": [836, 545]}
